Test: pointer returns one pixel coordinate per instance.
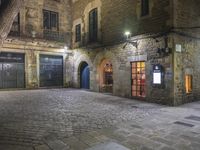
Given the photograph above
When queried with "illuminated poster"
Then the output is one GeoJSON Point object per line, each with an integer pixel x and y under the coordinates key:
{"type": "Point", "coordinates": [157, 78]}
{"type": "Point", "coordinates": [157, 74]}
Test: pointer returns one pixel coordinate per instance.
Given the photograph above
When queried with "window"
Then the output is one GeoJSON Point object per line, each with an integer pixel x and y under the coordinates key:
{"type": "Point", "coordinates": [1, 2]}
{"type": "Point", "coordinates": [138, 79]}
{"type": "Point", "coordinates": [50, 20]}
{"type": "Point", "coordinates": [108, 74]}
{"type": "Point", "coordinates": [188, 83]}
{"type": "Point", "coordinates": [15, 29]}
{"type": "Point", "coordinates": [93, 25]}
{"type": "Point", "coordinates": [78, 33]}
{"type": "Point", "coordinates": [144, 7]}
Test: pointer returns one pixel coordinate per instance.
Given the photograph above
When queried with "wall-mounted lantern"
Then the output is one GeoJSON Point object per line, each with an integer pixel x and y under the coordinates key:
{"type": "Point", "coordinates": [128, 41]}
{"type": "Point", "coordinates": [127, 34]}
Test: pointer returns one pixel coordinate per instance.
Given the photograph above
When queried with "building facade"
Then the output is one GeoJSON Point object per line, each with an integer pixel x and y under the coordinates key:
{"type": "Point", "coordinates": [33, 55]}
{"type": "Point", "coordinates": [141, 49]}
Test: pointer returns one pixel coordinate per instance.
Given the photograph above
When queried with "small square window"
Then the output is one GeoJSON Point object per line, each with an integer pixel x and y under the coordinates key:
{"type": "Point", "coordinates": [188, 83]}
{"type": "Point", "coordinates": [78, 33]}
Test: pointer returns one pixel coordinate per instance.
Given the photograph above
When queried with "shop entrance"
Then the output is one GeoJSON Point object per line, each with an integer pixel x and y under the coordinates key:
{"type": "Point", "coordinates": [106, 77]}
{"type": "Point", "coordinates": [138, 79]}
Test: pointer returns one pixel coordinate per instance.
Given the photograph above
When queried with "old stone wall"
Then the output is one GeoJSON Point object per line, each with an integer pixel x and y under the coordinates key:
{"type": "Point", "coordinates": [186, 13]}
{"type": "Point", "coordinates": [31, 16]}
{"type": "Point", "coordinates": [117, 17]}
{"type": "Point", "coordinates": [31, 20]}
{"type": "Point", "coordinates": [186, 55]}
{"type": "Point", "coordinates": [114, 19]}
{"type": "Point", "coordinates": [121, 56]}
{"type": "Point", "coordinates": [186, 62]}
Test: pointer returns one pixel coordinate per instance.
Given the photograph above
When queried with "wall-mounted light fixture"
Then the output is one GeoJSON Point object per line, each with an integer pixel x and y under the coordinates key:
{"type": "Point", "coordinates": [128, 41]}
{"type": "Point", "coordinates": [33, 34]}
{"type": "Point", "coordinates": [127, 34]}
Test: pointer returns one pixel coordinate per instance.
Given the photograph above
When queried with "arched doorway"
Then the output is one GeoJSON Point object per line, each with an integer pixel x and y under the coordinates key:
{"type": "Point", "coordinates": [106, 76]}
{"type": "Point", "coordinates": [84, 76]}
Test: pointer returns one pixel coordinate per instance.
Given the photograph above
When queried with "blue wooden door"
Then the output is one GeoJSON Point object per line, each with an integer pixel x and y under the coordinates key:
{"type": "Point", "coordinates": [85, 77]}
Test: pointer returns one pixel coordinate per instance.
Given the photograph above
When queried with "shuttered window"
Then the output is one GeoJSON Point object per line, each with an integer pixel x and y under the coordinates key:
{"type": "Point", "coordinates": [78, 33]}
{"type": "Point", "coordinates": [50, 20]}
{"type": "Point", "coordinates": [144, 7]}
{"type": "Point", "coordinates": [15, 29]}
{"type": "Point", "coordinates": [93, 25]}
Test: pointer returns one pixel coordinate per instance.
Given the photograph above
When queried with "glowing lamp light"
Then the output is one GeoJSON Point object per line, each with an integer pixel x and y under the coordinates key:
{"type": "Point", "coordinates": [127, 34]}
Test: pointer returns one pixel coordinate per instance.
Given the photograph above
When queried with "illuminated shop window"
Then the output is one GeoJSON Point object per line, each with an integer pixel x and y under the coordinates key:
{"type": "Point", "coordinates": [138, 79]}
{"type": "Point", "coordinates": [188, 83]}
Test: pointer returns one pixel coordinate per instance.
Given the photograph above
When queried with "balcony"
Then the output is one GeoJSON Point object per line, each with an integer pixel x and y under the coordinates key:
{"type": "Point", "coordinates": [85, 42]}
{"type": "Point", "coordinates": [55, 36]}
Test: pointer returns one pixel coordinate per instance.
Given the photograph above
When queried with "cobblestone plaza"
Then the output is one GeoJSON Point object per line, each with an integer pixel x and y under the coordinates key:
{"type": "Point", "coordinates": [69, 119]}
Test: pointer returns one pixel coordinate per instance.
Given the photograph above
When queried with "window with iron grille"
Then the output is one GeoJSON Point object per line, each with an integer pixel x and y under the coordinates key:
{"type": "Point", "coordinates": [93, 25]}
{"type": "Point", "coordinates": [50, 20]}
{"type": "Point", "coordinates": [144, 7]}
{"type": "Point", "coordinates": [78, 33]}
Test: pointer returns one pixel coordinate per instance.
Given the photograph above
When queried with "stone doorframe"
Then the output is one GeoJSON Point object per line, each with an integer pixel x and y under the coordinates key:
{"type": "Point", "coordinates": [77, 66]}
{"type": "Point", "coordinates": [100, 57]}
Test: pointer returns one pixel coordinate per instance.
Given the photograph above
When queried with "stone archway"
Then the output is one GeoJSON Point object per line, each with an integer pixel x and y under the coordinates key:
{"type": "Point", "coordinates": [106, 76]}
{"type": "Point", "coordinates": [84, 75]}
{"type": "Point", "coordinates": [100, 59]}
{"type": "Point", "coordinates": [79, 58]}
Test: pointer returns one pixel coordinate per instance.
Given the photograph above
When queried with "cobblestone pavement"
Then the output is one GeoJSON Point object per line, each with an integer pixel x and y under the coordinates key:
{"type": "Point", "coordinates": [68, 119]}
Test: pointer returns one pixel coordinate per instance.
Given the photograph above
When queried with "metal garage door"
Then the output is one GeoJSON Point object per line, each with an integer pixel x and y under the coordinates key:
{"type": "Point", "coordinates": [12, 73]}
{"type": "Point", "coordinates": [51, 70]}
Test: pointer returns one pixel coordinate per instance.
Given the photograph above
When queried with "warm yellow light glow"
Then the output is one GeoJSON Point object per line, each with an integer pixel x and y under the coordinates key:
{"type": "Point", "coordinates": [188, 83]}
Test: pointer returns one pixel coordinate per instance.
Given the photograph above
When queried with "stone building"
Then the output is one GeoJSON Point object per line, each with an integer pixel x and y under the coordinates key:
{"type": "Point", "coordinates": [33, 55]}
{"type": "Point", "coordinates": [156, 61]}
{"type": "Point", "coordinates": [143, 49]}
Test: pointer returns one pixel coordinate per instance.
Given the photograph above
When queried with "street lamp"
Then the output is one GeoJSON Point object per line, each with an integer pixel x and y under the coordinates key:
{"type": "Point", "coordinates": [127, 34]}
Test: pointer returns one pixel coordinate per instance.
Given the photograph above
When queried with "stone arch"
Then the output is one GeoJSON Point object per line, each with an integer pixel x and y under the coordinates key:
{"type": "Point", "coordinates": [77, 66]}
{"type": "Point", "coordinates": [99, 59]}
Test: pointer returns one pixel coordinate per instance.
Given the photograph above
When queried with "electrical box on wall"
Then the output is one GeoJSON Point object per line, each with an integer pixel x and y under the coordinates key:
{"type": "Point", "coordinates": [158, 76]}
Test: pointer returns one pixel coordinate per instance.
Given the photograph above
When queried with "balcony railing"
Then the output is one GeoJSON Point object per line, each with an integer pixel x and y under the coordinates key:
{"type": "Point", "coordinates": [55, 36]}
{"type": "Point", "coordinates": [85, 41]}
{"type": "Point", "coordinates": [62, 37]}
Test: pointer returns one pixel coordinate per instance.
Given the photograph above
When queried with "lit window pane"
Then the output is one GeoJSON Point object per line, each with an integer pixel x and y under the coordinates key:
{"type": "Point", "coordinates": [188, 83]}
